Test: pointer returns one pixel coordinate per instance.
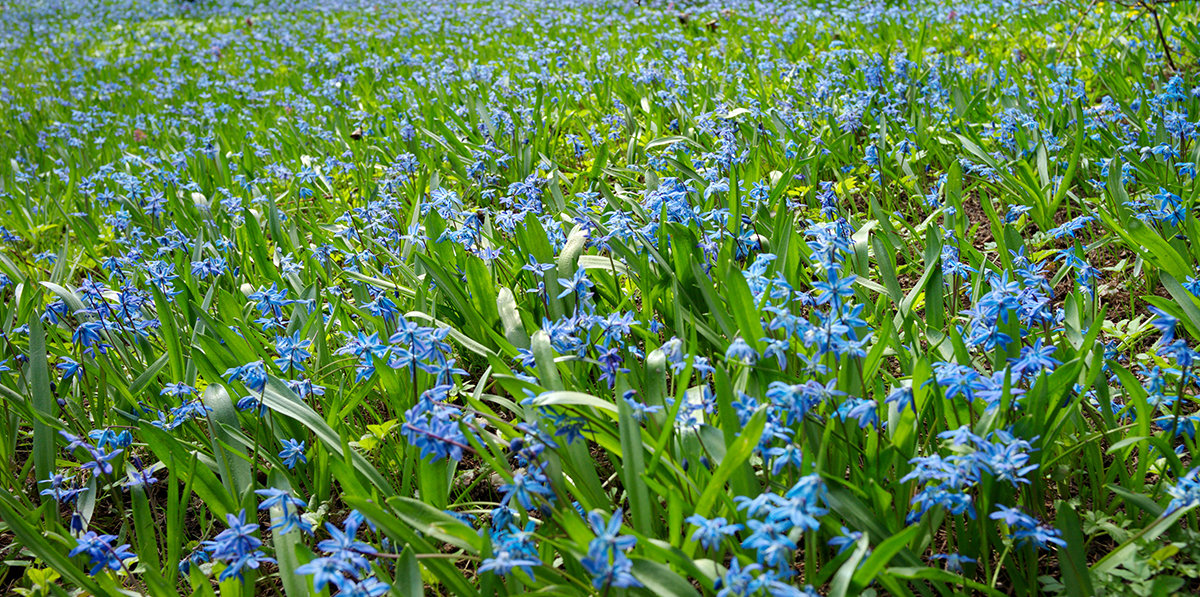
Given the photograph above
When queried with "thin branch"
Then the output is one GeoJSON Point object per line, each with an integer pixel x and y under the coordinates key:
{"type": "Point", "coordinates": [1161, 38]}
{"type": "Point", "coordinates": [1075, 30]}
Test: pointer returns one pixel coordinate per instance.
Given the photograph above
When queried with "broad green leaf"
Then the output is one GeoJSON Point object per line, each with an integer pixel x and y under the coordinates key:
{"type": "Point", "coordinates": [42, 400]}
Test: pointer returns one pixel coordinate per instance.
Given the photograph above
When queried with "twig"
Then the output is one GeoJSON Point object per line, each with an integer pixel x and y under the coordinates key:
{"type": "Point", "coordinates": [1161, 38]}
{"type": "Point", "coordinates": [1075, 30]}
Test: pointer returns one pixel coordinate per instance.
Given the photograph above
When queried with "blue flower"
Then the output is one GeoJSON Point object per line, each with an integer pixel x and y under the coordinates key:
{"type": "Point", "coordinates": [835, 289]}
{"type": "Point", "coordinates": [608, 538]}
{"type": "Point", "coordinates": [737, 581]}
{"type": "Point", "coordinates": [1004, 456]}
{"type": "Point", "coordinates": [197, 557]}
{"type": "Point", "coordinates": [60, 489]}
{"type": "Point", "coordinates": [505, 561]}
{"type": "Point", "coordinates": [102, 552]}
{"type": "Point", "coordinates": [845, 540]}
{"type": "Point", "coordinates": [1071, 227]}
{"type": "Point", "coordinates": [617, 573]}
{"type": "Point", "coordinates": [1185, 493]}
{"type": "Point", "coordinates": [801, 505]}
{"type": "Point", "coordinates": [615, 326]}
{"type": "Point", "coordinates": [610, 366]}
{"type": "Point", "coordinates": [579, 284]}
{"type": "Point", "coordinates": [1026, 529]}
{"type": "Point", "coordinates": [537, 269]}
{"type": "Point", "coordinates": [343, 545]}
{"type": "Point", "coordinates": [100, 465]}
{"type": "Point", "coordinates": [236, 546]}
{"type": "Point", "coordinates": [799, 399]}
{"type": "Point", "coordinates": [367, 348]}
{"type": "Point", "coordinates": [382, 306]}
{"type": "Point", "coordinates": [292, 353]}
{"type": "Point", "coordinates": [87, 335]}
{"type": "Point", "coordinates": [1186, 169]}
{"type": "Point", "coordinates": [758, 505]}
{"type": "Point", "coordinates": [254, 375]}
{"type": "Point", "coordinates": [961, 436]}
{"type": "Point", "coordinates": [269, 301]}
{"type": "Point", "coordinates": [292, 453]}
{"type": "Point", "coordinates": [178, 389]}
{"type": "Point", "coordinates": [235, 567]}
{"type": "Point", "coordinates": [368, 587]}
{"type": "Point", "coordinates": [865, 411]}
{"type": "Point", "coordinates": [710, 533]}
{"type": "Point", "coordinates": [162, 274]}
{"type": "Point", "coordinates": [902, 396]}
{"type": "Point", "coordinates": [512, 547]}
{"type": "Point", "coordinates": [327, 571]}
{"type": "Point", "coordinates": [1034, 360]}
{"type": "Point", "coordinates": [109, 438]}
{"type": "Point", "coordinates": [780, 349]}
{"type": "Point", "coordinates": [69, 368]}
{"type": "Point", "coordinates": [771, 543]}
{"type": "Point", "coordinates": [1193, 285]}
{"type": "Point", "coordinates": [526, 486]}
{"type": "Point", "coordinates": [1012, 517]}
{"type": "Point", "coordinates": [140, 476]}
{"type": "Point", "coordinates": [639, 409]}
{"type": "Point", "coordinates": [304, 388]}
{"type": "Point", "coordinates": [947, 496]}
{"type": "Point", "coordinates": [957, 380]}
{"type": "Point", "coordinates": [1164, 322]}
{"type": "Point", "coordinates": [739, 351]}
{"type": "Point", "coordinates": [436, 427]}
{"type": "Point", "coordinates": [289, 506]}
{"type": "Point", "coordinates": [954, 562]}
{"type": "Point", "coordinates": [1040, 536]}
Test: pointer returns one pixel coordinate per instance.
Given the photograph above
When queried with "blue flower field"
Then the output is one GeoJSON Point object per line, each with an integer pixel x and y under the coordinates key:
{"type": "Point", "coordinates": [599, 297]}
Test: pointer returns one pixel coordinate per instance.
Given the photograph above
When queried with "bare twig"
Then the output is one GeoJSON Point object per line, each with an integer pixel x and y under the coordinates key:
{"type": "Point", "coordinates": [1075, 29]}
{"type": "Point", "coordinates": [1149, 4]}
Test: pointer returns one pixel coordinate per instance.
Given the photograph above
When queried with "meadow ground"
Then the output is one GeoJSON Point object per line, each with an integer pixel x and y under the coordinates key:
{"type": "Point", "coordinates": [599, 297]}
